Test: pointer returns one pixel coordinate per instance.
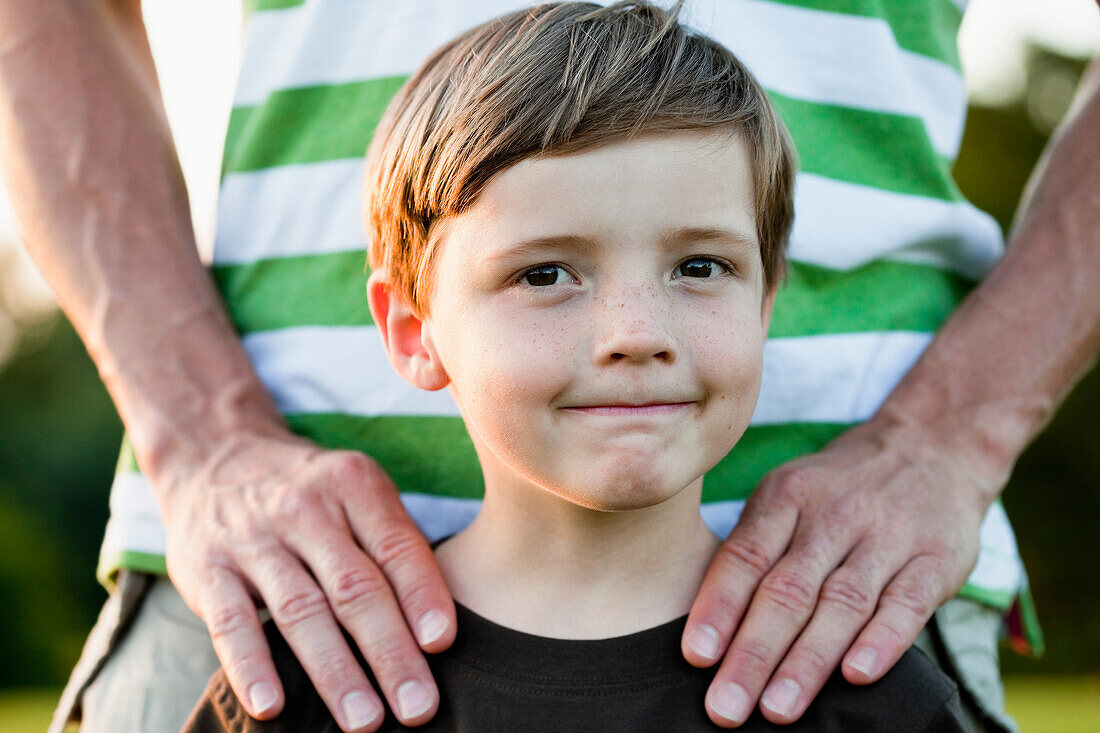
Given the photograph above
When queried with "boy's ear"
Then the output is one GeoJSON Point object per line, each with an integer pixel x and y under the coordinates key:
{"type": "Point", "coordinates": [405, 336]}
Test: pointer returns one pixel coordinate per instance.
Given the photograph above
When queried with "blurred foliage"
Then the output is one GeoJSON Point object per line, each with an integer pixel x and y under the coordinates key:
{"type": "Point", "coordinates": [59, 437]}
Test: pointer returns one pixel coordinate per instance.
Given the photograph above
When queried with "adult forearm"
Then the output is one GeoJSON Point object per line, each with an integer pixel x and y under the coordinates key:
{"type": "Point", "coordinates": [250, 511]}
{"type": "Point", "coordinates": [1000, 366]}
{"type": "Point", "coordinates": [93, 174]}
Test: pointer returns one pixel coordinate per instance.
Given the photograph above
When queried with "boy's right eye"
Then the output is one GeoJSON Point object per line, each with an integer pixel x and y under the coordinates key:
{"type": "Point", "coordinates": [545, 275]}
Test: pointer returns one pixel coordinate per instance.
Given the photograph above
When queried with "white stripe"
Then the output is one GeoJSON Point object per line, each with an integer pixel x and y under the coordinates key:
{"type": "Point", "coordinates": [131, 495]}
{"type": "Point", "coordinates": [820, 56]}
{"type": "Point", "coordinates": [999, 567]}
{"type": "Point", "coordinates": [325, 369]}
{"type": "Point", "coordinates": [440, 516]}
{"type": "Point", "coordinates": [132, 528]}
{"type": "Point", "coordinates": [836, 378]}
{"type": "Point", "coordinates": [135, 519]}
{"type": "Point", "coordinates": [839, 59]}
{"type": "Point", "coordinates": [132, 534]}
{"type": "Point", "coordinates": [721, 516]}
{"type": "Point", "coordinates": [291, 210]}
{"type": "Point", "coordinates": [844, 225]}
{"type": "Point", "coordinates": [325, 42]}
{"type": "Point", "coordinates": [316, 208]}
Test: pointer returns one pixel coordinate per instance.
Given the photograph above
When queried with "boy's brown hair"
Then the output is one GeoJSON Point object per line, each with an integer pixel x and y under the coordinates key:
{"type": "Point", "coordinates": [551, 80]}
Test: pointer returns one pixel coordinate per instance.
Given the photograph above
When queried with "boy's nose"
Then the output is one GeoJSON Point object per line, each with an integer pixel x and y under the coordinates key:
{"type": "Point", "coordinates": [634, 329]}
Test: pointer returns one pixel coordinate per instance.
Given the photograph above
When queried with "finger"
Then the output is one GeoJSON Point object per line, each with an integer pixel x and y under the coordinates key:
{"type": "Point", "coordinates": [845, 604]}
{"type": "Point", "coordinates": [750, 551]}
{"type": "Point", "coordinates": [239, 643]}
{"type": "Point", "coordinates": [780, 609]}
{"type": "Point", "coordinates": [305, 619]}
{"type": "Point", "coordinates": [396, 546]}
{"type": "Point", "coordinates": [366, 606]}
{"type": "Point", "coordinates": [903, 610]}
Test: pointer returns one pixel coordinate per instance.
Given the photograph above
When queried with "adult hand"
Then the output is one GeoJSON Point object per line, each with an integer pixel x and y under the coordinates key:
{"type": "Point", "coordinates": [843, 554]}
{"type": "Point", "coordinates": [322, 540]}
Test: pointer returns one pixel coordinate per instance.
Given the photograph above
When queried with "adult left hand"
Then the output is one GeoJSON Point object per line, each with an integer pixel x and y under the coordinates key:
{"type": "Point", "coordinates": [845, 554]}
{"type": "Point", "coordinates": [842, 554]}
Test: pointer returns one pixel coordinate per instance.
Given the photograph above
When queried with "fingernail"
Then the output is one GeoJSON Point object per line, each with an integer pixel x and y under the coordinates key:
{"type": "Point", "coordinates": [413, 699]}
{"type": "Point", "coordinates": [359, 709]}
{"type": "Point", "coordinates": [731, 702]}
{"type": "Point", "coordinates": [864, 660]}
{"type": "Point", "coordinates": [430, 627]}
{"type": "Point", "coordinates": [704, 641]}
{"type": "Point", "coordinates": [261, 696]}
{"type": "Point", "coordinates": [781, 696]}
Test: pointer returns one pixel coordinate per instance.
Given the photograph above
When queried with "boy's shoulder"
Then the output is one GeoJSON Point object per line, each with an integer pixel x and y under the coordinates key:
{"type": "Point", "coordinates": [529, 683]}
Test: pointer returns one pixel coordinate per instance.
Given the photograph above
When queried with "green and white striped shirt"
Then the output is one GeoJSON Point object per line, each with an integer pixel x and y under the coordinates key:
{"type": "Point", "coordinates": [884, 245]}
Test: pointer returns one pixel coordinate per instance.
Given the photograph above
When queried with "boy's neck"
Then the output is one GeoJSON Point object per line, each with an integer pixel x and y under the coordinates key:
{"type": "Point", "coordinates": [536, 563]}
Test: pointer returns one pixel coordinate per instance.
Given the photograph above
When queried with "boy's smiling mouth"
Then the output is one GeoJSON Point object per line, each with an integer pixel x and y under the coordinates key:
{"type": "Point", "coordinates": [628, 409]}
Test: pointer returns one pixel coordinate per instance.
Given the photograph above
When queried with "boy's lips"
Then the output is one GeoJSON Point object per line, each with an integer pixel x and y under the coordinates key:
{"type": "Point", "coordinates": [612, 409]}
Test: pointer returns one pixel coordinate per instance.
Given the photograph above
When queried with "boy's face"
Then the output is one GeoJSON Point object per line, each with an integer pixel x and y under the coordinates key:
{"type": "Point", "coordinates": [600, 317]}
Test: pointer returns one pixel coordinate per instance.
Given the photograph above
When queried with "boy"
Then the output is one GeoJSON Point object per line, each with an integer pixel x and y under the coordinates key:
{"type": "Point", "coordinates": [577, 219]}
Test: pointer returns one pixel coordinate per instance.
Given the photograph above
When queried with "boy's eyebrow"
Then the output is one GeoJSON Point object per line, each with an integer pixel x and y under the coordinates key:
{"type": "Point", "coordinates": [669, 240]}
{"type": "Point", "coordinates": [710, 234]}
{"type": "Point", "coordinates": [536, 244]}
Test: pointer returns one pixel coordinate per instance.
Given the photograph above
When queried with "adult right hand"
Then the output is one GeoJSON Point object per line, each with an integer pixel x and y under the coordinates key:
{"type": "Point", "coordinates": [322, 540]}
{"type": "Point", "coordinates": [252, 512]}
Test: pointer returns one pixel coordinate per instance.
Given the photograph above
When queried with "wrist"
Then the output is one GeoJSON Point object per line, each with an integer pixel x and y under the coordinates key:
{"type": "Point", "coordinates": [170, 446]}
{"type": "Point", "coordinates": [181, 381]}
{"type": "Point", "coordinates": [983, 440]}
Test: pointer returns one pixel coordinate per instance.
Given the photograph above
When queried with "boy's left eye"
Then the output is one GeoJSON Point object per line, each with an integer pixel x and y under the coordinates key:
{"type": "Point", "coordinates": [699, 267]}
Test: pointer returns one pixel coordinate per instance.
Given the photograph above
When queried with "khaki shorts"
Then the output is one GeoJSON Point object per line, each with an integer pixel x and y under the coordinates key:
{"type": "Point", "coordinates": [148, 658]}
{"type": "Point", "coordinates": [144, 666]}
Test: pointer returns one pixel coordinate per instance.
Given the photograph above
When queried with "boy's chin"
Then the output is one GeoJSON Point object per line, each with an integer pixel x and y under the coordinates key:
{"type": "Point", "coordinates": [622, 493]}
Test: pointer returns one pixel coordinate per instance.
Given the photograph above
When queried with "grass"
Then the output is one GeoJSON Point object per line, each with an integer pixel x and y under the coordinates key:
{"type": "Point", "coordinates": [1055, 704]}
{"type": "Point", "coordinates": [1039, 704]}
{"type": "Point", "coordinates": [27, 710]}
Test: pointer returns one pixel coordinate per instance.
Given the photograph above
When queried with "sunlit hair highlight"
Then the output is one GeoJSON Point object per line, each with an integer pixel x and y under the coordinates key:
{"type": "Point", "coordinates": [551, 80]}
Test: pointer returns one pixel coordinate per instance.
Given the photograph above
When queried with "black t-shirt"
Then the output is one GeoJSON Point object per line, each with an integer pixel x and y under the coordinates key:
{"type": "Point", "coordinates": [497, 679]}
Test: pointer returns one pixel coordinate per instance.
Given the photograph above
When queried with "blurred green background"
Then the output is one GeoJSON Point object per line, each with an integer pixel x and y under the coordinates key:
{"type": "Point", "coordinates": [59, 437]}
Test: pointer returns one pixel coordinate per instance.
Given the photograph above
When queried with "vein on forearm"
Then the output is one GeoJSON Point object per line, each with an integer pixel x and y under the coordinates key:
{"type": "Point", "coordinates": [101, 200]}
{"type": "Point", "coordinates": [1005, 360]}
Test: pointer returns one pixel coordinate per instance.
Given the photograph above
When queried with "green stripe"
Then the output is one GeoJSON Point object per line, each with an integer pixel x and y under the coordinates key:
{"type": "Point", "coordinates": [878, 149]}
{"type": "Point", "coordinates": [127, 461]}
{"type": "Point", "coordinates": [329, 290]}
{"type": "Point", "coordinates": [107, 570]}
{"type": "Point", "coordinates": [317, 124]}
{"type": "Point", "coordinates": [1030, 620]}
{"type": "Point", "coordinates": [307, 125]}
{"type": "Point", "coordinates": [313, 290]}
{"type": "Point", "coordinates": [401, 443]}
{"type": "Point", "coordinates": [762, 448]}
{"type": "Point", "coordinates": [434, 455]}
{"type": "Point", "coordinates": [428, 455]}
{"type": "Point", "coordinates": [251, 6]}
{"type": "Point", "coordinates": [880, 296]}
{"type": "Point", "coordinates": [927, 27]}
{"type": "Point", "coordinates": [999, 599]}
